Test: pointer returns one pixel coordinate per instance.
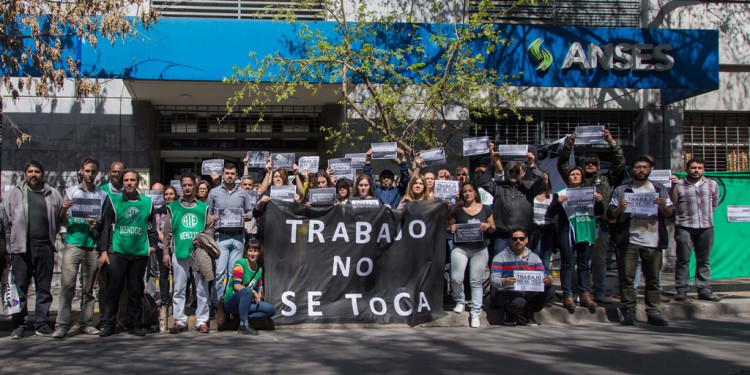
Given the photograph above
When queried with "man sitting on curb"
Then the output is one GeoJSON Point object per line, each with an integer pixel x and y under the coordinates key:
{"type": "Point", "coordinates": [519, 306]}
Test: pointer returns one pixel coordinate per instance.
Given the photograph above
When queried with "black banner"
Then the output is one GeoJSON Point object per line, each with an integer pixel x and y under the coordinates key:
{"type": "Point", "coordinates": [345, 265]}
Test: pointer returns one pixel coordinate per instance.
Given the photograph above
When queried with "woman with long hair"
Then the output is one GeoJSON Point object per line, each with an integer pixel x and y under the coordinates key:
{"type": "Point", "coordinates": [243, 295]}
{"type": "Point", "coordinates": [576, 235]}
{"type": "Point", "coordinates": [471, 210]}
{"type": "Point", "coordinates": [363, 188]}
{"type": "Point", "coordinates": [170, 194]}
{"type": "Point", "coordinates": [415, 191]}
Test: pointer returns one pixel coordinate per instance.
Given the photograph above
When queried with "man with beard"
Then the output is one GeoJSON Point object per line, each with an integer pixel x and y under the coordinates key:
{"type": "Point", "coordinates": [640, 236]}
{"type": "Point", "coordinates": [128, 237]}
{"type": "Point", "coordinates": [695, 198]}
{"type": "Point", "coordinates": [34, 209]}
{"type": "Point", "coordinates": [80, 244]}
{"type": "Point", "coordinates": [513, 206]}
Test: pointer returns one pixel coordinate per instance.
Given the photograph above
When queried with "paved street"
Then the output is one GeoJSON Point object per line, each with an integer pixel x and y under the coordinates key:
{"type": "Point", "coordinates": [687, 347]}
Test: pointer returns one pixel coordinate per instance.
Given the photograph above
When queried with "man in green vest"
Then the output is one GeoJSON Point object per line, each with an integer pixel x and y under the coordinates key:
{"type": "Point", "coordinates": [81, 212]}
{"type": "Point", "coordinates": [128, 237]}
{"type": "Point", "coordinates": [186, 218]}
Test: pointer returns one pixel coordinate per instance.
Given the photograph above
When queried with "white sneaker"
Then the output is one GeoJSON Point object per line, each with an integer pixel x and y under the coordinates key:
{"type": "Point", "coordinates": [474, 322]}
{"type": "Point", "coordinates": [459, 308]}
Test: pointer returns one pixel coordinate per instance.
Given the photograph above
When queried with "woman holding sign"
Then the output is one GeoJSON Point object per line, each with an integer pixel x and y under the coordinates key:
{"type": "Point", "coordinates": [244, 292]}
{"type": "Point", "coordinates": [468, 222]}
{"type": "Point", "coordinates": [574, 209]}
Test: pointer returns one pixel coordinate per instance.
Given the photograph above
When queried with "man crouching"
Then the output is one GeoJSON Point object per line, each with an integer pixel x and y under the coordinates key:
{"type": "Point", "coordinates": [519, 306]}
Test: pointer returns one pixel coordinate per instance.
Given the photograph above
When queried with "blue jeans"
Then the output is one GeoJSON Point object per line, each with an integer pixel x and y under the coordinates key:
{"type": "Point", "coordinates": [500, 245]}
{"type": "Point", "coordinates": [232, 246]}
{"type": "Point", "coordinates": [477, 260]}
{"type": "Point", "coordinates": [243, 303]}
{"type": "Point", "coordinates": [568, 255]}
{"type": "Point", "coordinates": [542, 242]}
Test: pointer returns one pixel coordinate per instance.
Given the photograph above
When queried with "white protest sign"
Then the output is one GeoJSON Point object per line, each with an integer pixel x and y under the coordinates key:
{"type": "Point", "coordinates": [738, 214]}
{"type": "Point", "coordinates": [590, 135]}
{"type": "Point", "coordinates": [528, 281]}
{"type": "Point", "coordinates": [642, 203]}
{"type": "Point", "coordinates": [513, 152]}
{"type": "Point", "coordinates": [385, 150]}
{"type": "Point", "coordinates": [445, 189]}
{"type": "Point", "coordinates": [309, 163]}
{"type": "Point", "coordinates": [476, 146]}
{"type": "Point", "coordinates": [435, 156]}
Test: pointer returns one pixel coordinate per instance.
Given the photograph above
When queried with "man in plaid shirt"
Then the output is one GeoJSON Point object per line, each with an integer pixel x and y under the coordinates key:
{"type": "Point", "coordinates": [695, 199]}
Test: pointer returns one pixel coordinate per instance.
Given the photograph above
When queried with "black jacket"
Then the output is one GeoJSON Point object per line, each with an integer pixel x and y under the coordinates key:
{"type": "Point", "coordinates": [622, 224]}
{"type": "Point", "coordinates": [514, 204]}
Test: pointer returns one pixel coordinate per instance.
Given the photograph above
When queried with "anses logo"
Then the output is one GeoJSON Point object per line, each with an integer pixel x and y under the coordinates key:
{"type": "Point", "coordinates": [540, 55]}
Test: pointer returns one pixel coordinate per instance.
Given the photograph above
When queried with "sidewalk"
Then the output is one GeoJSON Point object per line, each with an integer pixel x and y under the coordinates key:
{"type": "Point", "coordinates": [735, 303]}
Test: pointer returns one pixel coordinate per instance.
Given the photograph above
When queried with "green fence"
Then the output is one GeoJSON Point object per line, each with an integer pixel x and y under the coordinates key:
{"type": "Point", "coordinates": [730, 257]}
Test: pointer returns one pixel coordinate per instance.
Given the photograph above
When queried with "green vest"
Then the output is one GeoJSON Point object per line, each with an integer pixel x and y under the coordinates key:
{"type": "Point", "coordinates": [130, 233]}
{"type": "Point", "coordinates": [250, 279]}
{"type": "Point", "coordinates": [186, 224]}
{"type": "Point", "coordinates": [109, 191]}
{"type": "Point", "coordinates": [78, 231]}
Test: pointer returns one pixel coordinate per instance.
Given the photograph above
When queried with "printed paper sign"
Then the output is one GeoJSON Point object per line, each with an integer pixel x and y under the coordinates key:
{"type": "Point", "coordinates": [342, 168]}
{"type": "Point", "coordinates": [229, 218]}
{"type": "Point", "coordinates": [435, 156]}
{"type": "Point", "coordinates": [365, 203]}
{"type": "Point", "coordinates": [445, 189]}
{"type": "Point", "coordinates": [257, 159]}
{"type": "Point", "coordinates": [476, 146]}
{"type": "Point", "coordinates": [513, 152]}
{"type": "Point", "coordinates": [528, 281]}
{"type": "Point", "coordinates": [580, 196]}
{"type": "Point", "coordinates": [590, 135]}
{"type": "Point", "coordinates": [177, 185]}
{"type": "Point", "coordinates": [738, 214]}
{"type": "Point", "coordinates": [87, 207]}
{"type": "Point", "coordinates": [157, 197]}
{"type": "Point", "coordinates": [661, 176]}
{"type": "Point", "coordinates": [253, 197]}
{"type": "Point", "coordinates": [469, 232]}
{"type": "Point", "coordinates": [283, 160]}
{"type": "Point", "coordinates": [358, 160]}
{"type": "Point", "coordinates": [212, 165]}
{"type": "Point", "coordinates": [309, 163]}
{"type": "Point", "coordinates": [386, 150]}
{"type": "Point", "coordinates": [283, 193]}
{"type": "Point", "coordinates": [642, 203]}
{"type": "Point", "coordinates": [322, 197]}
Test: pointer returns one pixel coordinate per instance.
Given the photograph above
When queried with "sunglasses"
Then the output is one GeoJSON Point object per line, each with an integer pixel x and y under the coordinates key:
{"type": "Point", "coordinates": [591, 163]}
{"type": "Point", "coordinates": [518, 238]}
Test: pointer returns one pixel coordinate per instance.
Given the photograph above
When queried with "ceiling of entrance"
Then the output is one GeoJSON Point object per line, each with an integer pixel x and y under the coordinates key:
{"type": "Point", "coordinates": [212, 93]}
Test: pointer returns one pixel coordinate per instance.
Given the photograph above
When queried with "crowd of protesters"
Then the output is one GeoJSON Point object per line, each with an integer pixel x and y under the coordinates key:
{"type": "Point", "coordinates": [135, 240]}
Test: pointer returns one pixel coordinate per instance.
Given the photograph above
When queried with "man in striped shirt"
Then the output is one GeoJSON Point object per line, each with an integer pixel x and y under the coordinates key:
{"type": "Point", "coordinates": [519, 306]}
{"type": "Point", "coordinates": [695, 199]}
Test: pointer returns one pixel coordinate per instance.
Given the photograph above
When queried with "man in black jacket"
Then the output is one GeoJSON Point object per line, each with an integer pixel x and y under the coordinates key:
{"type": "Point", "coordinates": [513, 206]}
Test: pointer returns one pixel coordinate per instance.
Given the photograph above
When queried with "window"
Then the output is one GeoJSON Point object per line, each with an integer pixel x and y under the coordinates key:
{"type": "Point", "coordinates": [721, 139]}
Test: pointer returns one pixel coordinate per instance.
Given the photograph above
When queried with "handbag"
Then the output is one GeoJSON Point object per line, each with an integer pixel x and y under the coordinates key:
{"type": "Point", "coordinates": [11, 299]}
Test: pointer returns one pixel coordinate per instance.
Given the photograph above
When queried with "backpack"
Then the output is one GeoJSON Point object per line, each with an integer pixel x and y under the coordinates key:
{"type": "Point", "coordinates": [149, 313]}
